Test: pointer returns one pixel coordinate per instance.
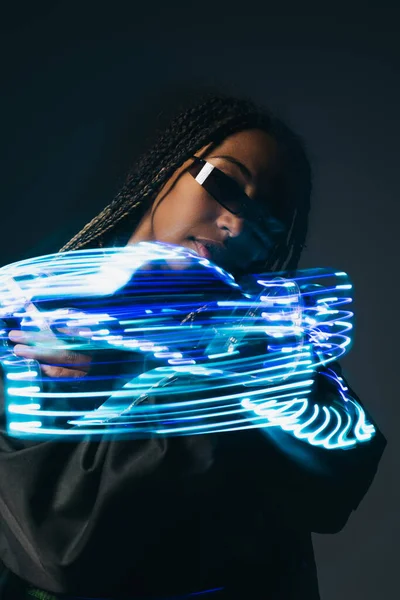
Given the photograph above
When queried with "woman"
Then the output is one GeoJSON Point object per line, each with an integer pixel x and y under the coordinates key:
{"type": "Point", "coordinates": [227, 515]}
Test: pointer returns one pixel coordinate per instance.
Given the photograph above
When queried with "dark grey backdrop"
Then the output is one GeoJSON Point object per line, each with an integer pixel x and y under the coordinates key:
{"type": "Point", "coordinates": [82, 87]}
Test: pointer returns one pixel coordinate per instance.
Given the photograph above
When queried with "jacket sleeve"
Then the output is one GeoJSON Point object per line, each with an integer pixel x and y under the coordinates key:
{"type": "Point", "coordinates": [316, 488]}
{"type": "Point", "coordinates": [75, 517]}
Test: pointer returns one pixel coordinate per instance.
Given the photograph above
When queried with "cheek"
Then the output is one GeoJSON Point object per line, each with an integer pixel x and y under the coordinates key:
{"type": "Point", "coordinates": [180, 212]}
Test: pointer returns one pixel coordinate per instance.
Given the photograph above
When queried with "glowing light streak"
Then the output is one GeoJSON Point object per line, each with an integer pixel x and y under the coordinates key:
{"type": "Point", "coordinates": [302, 325]}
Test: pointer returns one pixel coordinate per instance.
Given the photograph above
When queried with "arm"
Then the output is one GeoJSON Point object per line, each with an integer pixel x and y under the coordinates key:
{"type": "Point", "coordinates": [317, 488]}
{"type": "Point", "coordinates": [76, 516]}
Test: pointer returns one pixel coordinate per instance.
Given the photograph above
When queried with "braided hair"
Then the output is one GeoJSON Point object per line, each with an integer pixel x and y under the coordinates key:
{"type": "Point", "coordinates": [210, 120]}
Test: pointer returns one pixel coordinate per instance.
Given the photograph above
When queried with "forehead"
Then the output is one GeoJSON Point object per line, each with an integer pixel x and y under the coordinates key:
{"type": "Point", "coordinates": [255, 148]}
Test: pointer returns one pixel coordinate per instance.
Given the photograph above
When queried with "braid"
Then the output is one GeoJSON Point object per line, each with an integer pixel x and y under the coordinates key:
{"type": "Point", "coordinates": [210, 120]}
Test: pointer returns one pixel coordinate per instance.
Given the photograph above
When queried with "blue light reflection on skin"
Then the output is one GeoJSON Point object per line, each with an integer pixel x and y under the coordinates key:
{"type": "Point", "coordinates": [230, 356]}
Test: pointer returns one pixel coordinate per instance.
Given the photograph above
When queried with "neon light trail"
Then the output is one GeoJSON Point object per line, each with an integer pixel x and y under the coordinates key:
{"type": "Point", "coordinates": [205, 354]}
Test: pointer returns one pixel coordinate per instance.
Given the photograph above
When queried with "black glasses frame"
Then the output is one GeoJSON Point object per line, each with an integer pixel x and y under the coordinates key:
{"type": "Point", "coordinates": [221, 187]}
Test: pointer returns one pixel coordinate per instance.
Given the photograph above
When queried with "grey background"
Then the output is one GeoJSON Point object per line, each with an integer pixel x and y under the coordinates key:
{"type": "Point", "coordinates": [83, 85]}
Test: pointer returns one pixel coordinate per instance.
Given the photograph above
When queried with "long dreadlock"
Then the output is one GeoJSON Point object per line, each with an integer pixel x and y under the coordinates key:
{"type": "Point", "coordinates": [210, 120]}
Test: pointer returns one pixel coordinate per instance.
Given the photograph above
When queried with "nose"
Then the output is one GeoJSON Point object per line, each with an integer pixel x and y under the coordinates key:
{"type": "Point", "coordinates": [227, 220]}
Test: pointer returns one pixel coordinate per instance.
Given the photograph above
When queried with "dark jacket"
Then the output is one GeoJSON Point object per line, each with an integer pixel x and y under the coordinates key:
{"type": "Point", "coordinates": [168, 516]}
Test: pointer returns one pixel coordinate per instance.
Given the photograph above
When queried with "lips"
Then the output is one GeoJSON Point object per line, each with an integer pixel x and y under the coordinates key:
{"type": "Point", "coordinates": [235, 258]}
{"type": "Point", "coordinates": [214, 251]}
{"type": "Point", "coordinates": [202, 249]}
{"type": "Point", "coordinates": [210, 249]}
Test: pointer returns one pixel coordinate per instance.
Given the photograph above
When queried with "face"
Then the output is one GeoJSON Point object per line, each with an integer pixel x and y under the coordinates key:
{"type": "Point", "coordinates": [184, 213]}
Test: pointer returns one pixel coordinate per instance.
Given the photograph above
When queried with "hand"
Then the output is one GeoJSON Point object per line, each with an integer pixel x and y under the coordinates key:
{"type": "Point", "coordinates": [54, 362]}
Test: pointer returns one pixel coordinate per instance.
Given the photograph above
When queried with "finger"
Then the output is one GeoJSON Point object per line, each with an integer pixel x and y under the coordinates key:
{"type": "Point", "coordinates": [33, 337]}
{"type": "Point", "coordinates": [79, 334]}
{"type": "Point", "coordinates": [62, 358]}
{"type": "Point", "coordinates": [56, 372]}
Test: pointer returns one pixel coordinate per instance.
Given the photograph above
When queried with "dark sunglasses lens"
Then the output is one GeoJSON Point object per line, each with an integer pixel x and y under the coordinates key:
{"type": "Point", "coordinates": [226, 191]}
